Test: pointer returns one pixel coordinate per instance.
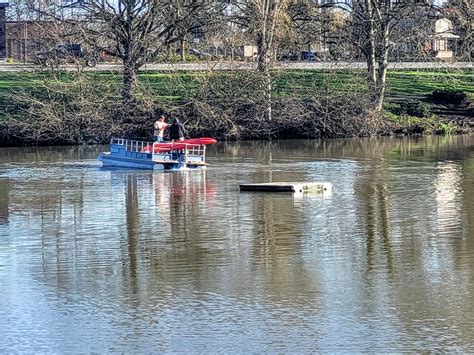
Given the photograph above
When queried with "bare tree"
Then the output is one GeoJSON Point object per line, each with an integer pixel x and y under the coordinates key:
{"type": "Point", "coordinates": [192, 18]}
{"type": "Point", "coordinates": [129, 29]}
{"type": "Point", "coordinates": [461, 13]}
{"type": "Point", "coordinates": [375, 27]}
{"type": "Point", "coordinates": [263, 19]}
{"type": "Point", "coordinates": [135, 31]}
{"type": "Point", "coordinates": [305, 25]}
{"type": "Point", "coordinates": [17, 11]}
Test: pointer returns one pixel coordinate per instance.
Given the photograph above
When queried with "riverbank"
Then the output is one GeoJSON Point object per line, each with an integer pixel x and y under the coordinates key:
{"type": "Point", "coordinates": [77, 108]}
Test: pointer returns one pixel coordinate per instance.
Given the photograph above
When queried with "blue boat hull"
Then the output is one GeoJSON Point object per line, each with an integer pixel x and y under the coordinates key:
{"type": "Point", "coordinates": [109, 159]}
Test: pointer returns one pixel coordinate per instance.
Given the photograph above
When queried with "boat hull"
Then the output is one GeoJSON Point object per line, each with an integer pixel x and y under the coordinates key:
{"type": "Point", "coordinates": [111, 160]}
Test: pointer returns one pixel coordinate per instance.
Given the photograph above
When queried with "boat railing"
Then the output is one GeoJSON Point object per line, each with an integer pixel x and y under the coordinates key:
{"type": "Point", "coordinates": [190, 153]}
{"type": "Point", "coordinates": [197, 150]}
{"type": "Point", "coordinates": [132, 145]}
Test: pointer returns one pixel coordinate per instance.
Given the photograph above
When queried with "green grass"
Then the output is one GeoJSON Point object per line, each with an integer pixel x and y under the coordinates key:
{"type": "Point", "coordinates": [400, 83]}
{"type": "Point", "coordinates": [419, 83]}
{"type": "Point", "coordinates": [302, 82]}
{"type": "Point", "coordinates": [178, 85]}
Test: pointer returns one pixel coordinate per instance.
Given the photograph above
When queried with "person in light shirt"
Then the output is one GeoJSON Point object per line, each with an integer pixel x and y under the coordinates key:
{"type": "Point", "coordinates": [160, 127]}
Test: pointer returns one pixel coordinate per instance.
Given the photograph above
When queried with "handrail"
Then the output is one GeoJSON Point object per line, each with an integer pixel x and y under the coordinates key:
{"type": "Point", "coordinates": [190, 150]}
{"type": "Point", "coordinates": [131, 145]}
{"type": "Point", "coordinates": [187, 146]}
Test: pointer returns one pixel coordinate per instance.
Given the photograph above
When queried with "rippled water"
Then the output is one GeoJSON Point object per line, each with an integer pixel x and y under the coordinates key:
{"type": "Point", "coordinates": [95, 260]}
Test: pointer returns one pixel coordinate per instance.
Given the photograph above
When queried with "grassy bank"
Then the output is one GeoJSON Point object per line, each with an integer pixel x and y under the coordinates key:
{"type": "Point", "coordinates": [182, 85]}
{"type": "Point", "coordinates": [226, 104]}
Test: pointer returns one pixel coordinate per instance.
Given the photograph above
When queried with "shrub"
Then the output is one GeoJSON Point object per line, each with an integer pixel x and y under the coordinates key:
{"type": "Point", "coordinates": [448, 96]}
{"type": "Point", "coordinates": [414, 108]}
{"type": "Point", "coordinates": [446, 128]}
{"type": "Point", "coordinates": [75, 108]}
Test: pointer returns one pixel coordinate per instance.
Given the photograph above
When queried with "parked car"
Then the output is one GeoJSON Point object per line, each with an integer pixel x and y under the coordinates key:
{"type": "Point", "coordinates": [311, 56]}
{"type": "Point", "coordinates": [66, 53]}
{"type": "Point", "coordinates": [307, 55]}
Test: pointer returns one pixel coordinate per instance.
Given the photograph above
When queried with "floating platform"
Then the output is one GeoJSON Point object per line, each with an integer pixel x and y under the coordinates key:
{"type": "Point", "coordinates": [287, 187]}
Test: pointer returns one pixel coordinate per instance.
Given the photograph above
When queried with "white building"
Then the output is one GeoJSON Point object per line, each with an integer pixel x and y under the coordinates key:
{"type": "Point", "coordinates": [443, 34]}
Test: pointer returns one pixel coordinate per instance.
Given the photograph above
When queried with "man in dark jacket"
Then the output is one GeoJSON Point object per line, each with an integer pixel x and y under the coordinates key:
{"type": "Point", "coordinates": [176, 131]}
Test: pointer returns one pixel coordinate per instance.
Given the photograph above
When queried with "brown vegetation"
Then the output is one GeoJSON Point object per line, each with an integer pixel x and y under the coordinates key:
{"type": "Point", "coordinates": [82, 110]}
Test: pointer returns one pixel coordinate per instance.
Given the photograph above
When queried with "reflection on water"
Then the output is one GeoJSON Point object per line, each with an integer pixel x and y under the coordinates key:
{"type": "Point", "coordinates": [4, 190]}
{"type": "Point", "coordinates": [95, 260]}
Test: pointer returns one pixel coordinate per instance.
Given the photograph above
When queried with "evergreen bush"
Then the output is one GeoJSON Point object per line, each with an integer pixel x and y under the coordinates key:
{"type": "Point", "coordinates": [448, 96]}
{"type": "Point", "coordinates": [415, 108]}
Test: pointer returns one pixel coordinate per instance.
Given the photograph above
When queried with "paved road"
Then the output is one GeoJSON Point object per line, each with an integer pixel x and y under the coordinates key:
{"type": "Point", "coordinates": [246, 66]}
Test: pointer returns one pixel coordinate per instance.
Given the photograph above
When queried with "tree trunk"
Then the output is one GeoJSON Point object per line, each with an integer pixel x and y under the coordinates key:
{"type": "Point", "coordinates": [382, 69]}
{"type": "Point", "coordinates": [263, 66]}
{"type": "Point", "coordinates": [371, 52]}
{"type": "Point", "coordinates": [268, 94]}
{"type": "Point", "coordinates": [380, 94]}
{"type": "Point", "coordinates": [129, 80]}
{"type": "Point", "coordinates": [182, 44]}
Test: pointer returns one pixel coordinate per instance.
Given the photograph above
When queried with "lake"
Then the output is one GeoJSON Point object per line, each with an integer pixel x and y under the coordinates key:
{"type": "Point", "coordinates": [101, 260]}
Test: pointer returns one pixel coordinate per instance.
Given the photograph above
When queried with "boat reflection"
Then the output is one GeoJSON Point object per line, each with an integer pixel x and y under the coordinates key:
{"type": "Point", "coordinates": [4, 200]}
{"type": "Point", "coordinates": [183, 187]}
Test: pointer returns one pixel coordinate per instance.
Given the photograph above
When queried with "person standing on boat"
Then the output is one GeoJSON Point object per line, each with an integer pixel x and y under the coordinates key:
{"type": "Point", "coordinates": [176, 131]}
{"type": "Point", "coordinates": [160, 127]}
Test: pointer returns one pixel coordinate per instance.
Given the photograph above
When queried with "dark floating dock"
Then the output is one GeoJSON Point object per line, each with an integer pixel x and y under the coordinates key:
{"type": "Point", "coordinates": [287, 187]}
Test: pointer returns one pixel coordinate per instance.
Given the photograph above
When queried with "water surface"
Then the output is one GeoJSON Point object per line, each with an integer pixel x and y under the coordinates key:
{"type": "Point", "coordinates": [95, 260]}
